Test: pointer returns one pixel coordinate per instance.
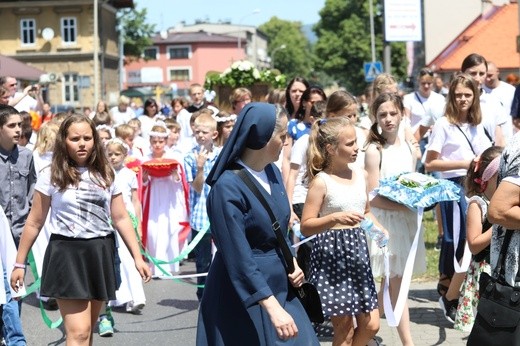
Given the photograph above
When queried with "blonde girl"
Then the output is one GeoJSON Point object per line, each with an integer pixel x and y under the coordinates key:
{"type": "Point", "coordinates": [340, 262]}
{"type": "Point", "coordinates": [131, 290]}
{"type": "Point", "coordinates": [225, 123]}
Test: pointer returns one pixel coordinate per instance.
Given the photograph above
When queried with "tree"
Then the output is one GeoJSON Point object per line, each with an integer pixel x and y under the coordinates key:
{"type": "Point", "coordinates": [344, 43]}
{"type": "Point", "coordinates": [293, 60]}
{"type": "Point", "coordinates": [137, 32]}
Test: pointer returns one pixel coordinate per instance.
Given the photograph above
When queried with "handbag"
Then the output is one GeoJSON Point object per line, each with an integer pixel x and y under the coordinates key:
{"type": "Point", "coordinates": [307, 294]}
{"type": "Point", "coordinates": [498, 311]}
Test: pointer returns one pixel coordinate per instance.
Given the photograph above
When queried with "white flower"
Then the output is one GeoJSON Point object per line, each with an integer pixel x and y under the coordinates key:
{"type": "Point", "coordinates": [278, 78]}
{"type": "Point", "coordinates": [235, 65]}
{"type": "Point", "coordinates": [256, 73]}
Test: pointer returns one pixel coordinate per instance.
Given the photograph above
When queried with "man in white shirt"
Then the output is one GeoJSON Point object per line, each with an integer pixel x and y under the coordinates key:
{"type": "Point", "coordinates": [122, 113]}
{"type": "Point", "coordinates": [504, 92]}
{"type": "Point", "coordinates": [22, 101]}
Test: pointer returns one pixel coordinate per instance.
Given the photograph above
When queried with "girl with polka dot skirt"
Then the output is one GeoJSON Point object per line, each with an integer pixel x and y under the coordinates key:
{"type": "Point", "coordinates": [337, 201]}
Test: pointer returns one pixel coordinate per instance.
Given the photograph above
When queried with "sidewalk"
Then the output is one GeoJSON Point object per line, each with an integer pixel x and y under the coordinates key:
{"type": "Point", "coordinates": [428, 325]}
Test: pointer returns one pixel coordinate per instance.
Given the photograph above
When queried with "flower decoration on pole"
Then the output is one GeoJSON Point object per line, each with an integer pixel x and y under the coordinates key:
{"type": "Point", "coordinates": [243, 73]}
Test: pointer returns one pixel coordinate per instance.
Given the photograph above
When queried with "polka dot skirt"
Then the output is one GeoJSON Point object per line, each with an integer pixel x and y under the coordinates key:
{"type": "Point", "coordinates": [340, 270]}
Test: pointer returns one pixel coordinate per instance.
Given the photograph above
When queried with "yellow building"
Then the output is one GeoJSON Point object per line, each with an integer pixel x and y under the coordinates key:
{"type": "Point", "coordinates": [58, 37]}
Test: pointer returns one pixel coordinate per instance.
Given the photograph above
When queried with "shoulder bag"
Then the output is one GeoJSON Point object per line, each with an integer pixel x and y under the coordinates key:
{"type": "Point", "coordinates": [306, 293]}
{"type": "Point", "coordinates": [498, 311]}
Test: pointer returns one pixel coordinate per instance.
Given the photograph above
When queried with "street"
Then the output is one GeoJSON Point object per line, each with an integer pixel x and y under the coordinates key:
{"type": "Point", "coordinates": [170, 318]}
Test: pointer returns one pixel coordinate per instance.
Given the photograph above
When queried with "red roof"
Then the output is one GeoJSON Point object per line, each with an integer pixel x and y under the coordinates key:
{"type": "Point", "coordinates": [492, 35]}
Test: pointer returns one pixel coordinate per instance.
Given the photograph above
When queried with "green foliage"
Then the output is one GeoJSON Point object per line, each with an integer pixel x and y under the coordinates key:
{"type": "Point", "coordinates": [296, 58]}
{"type": "Point", "coordinates": [344, 43]}
{"type": "Point", "coordinates": [137, 32]}
{"type": "Point", "coordinates": [243, 74]}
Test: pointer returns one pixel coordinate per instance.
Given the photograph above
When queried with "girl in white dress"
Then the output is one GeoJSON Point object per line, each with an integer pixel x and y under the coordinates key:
{"type": "Point", "coordinates": [42, 155]}
{"type": "Point", "coordinates": [165, 217]}
{"type": "Point", "coordinates": [131, 291]}
{"type": "Point", "coordinates": [388, 154]}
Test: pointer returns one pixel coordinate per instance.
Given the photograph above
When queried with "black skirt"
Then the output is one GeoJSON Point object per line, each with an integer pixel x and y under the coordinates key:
{"type": "Point", "coordinates": [76, 268]}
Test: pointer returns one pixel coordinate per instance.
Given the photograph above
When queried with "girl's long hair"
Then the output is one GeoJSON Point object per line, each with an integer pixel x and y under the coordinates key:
{"type": "Point", "coordinates": [65, 172]}
{"type": "Point", "coordinates": [452, 110]}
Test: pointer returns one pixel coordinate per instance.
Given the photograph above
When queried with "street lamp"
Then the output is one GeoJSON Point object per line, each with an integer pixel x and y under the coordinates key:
{"type": "Point", "coordinates": [239, 43]}
{"type": "Point", "coordinates": [283, 46]}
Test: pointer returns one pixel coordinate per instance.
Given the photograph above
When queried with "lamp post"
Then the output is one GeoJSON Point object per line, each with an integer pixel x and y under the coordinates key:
{"type": "Point", "coordinates": [239, 42]}
{"type": "Point", "coordinates": [283, 46]}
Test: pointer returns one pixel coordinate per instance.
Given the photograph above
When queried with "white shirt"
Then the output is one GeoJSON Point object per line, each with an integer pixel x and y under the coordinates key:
{"type": "Point", "coordinates": [299, 157]}
{"type": "Point", "coordinates": [504, 92]}
{"type": "Point", "coordinates": [26, 104]}
{"type": "Point", "coordinates": [119, 117]}
{"type": "Point", "coordinates": [494, 114]}
{"type": "Point", "coordinates": [447, 140]}
{"type": "Point", "coordinates": [420, 107]}
{"type": "Point", "coordinates": [79, 212]}
{"type": "Point", "coordinates": [128, 182]}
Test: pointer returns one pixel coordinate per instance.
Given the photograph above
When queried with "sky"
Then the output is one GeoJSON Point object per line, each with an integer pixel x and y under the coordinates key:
{"type": "Point", "coordinates": [167, 13]}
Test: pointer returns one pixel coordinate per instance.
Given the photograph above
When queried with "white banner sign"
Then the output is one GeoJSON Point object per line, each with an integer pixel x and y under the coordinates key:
{"type": "Point", "coordinates": [403, 20]}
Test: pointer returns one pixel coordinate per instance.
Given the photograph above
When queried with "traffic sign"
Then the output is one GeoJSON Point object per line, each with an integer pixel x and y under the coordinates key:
{"type": "Point", "coordinates": [372, 69]}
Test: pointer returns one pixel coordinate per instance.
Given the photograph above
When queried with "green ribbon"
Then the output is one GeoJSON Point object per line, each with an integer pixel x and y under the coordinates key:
{"type": "Point", "coordinates": [37, 279]}
{"type": "Point", "coordinates": [181, 256]}
{"type": "Point", "coordinates": [35, 286]}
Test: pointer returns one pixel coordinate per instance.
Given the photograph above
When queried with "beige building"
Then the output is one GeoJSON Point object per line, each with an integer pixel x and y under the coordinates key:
{"type": "Point", "coordinates": [58, 37]}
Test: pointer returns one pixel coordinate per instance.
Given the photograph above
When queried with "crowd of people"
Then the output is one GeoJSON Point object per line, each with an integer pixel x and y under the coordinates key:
{"type": "Point", "coordinates": [85, 195]}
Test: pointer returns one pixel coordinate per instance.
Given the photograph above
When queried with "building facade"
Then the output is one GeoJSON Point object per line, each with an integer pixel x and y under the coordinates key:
{"type": "Point", "coordinates": [178, 59]}
{"type": "Point", "coordinates": [248, 39]}
{"type": "Point", "coordinates": [59, 38]}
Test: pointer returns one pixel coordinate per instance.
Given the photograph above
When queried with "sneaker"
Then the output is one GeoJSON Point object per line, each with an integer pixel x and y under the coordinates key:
{"type": "Point", "coordinates": [105, 328]}
{"type": "Point", "coordinates": [134, 308]}
{"type": "Point", "coordinates": [374, 342]}
{"type": "Point", "coordinates": [438, 244]}
{"type": "Point", "coordinates": [110, 317]}
{"type": "Point", "coordinates": [449, 307]}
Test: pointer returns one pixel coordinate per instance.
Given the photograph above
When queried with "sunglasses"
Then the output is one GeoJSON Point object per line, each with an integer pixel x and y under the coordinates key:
{"type": "Point", "coordinates": [426, 71]}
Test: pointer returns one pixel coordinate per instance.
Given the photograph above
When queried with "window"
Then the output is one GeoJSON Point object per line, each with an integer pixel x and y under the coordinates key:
{"type": "Point", "coordinates": [179, 52]}
{"type": "Point", "coordinates": [68, 30]}
{"type": "Point", "coordinates": [70, 88]}
{"type": "Point", "coordinates": [28, 32]}
{"type": "Point", "coordinates": [180, 74]}
{"type": "Point", "coordinates": [150, 53]}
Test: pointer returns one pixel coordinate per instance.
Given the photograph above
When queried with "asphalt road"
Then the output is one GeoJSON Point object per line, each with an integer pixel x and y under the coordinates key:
{"type": "Point", "coordinates": [170, 318]}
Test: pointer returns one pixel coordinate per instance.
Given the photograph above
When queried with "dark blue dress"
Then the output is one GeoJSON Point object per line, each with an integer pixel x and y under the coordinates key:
{"type": "Point", "coordinates": [247, 268]}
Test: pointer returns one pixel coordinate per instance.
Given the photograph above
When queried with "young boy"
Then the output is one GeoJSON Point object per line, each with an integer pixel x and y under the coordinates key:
{"type": "Point", "coordinates": [140, 147]}
{"type": "Point", "coordinates": [17, 179]}
{"type": "Point", "coordinates": [198, 164]}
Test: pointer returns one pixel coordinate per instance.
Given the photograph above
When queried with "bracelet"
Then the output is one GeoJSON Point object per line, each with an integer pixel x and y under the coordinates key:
{"type": "Point", "coordinates": [19, 265]}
